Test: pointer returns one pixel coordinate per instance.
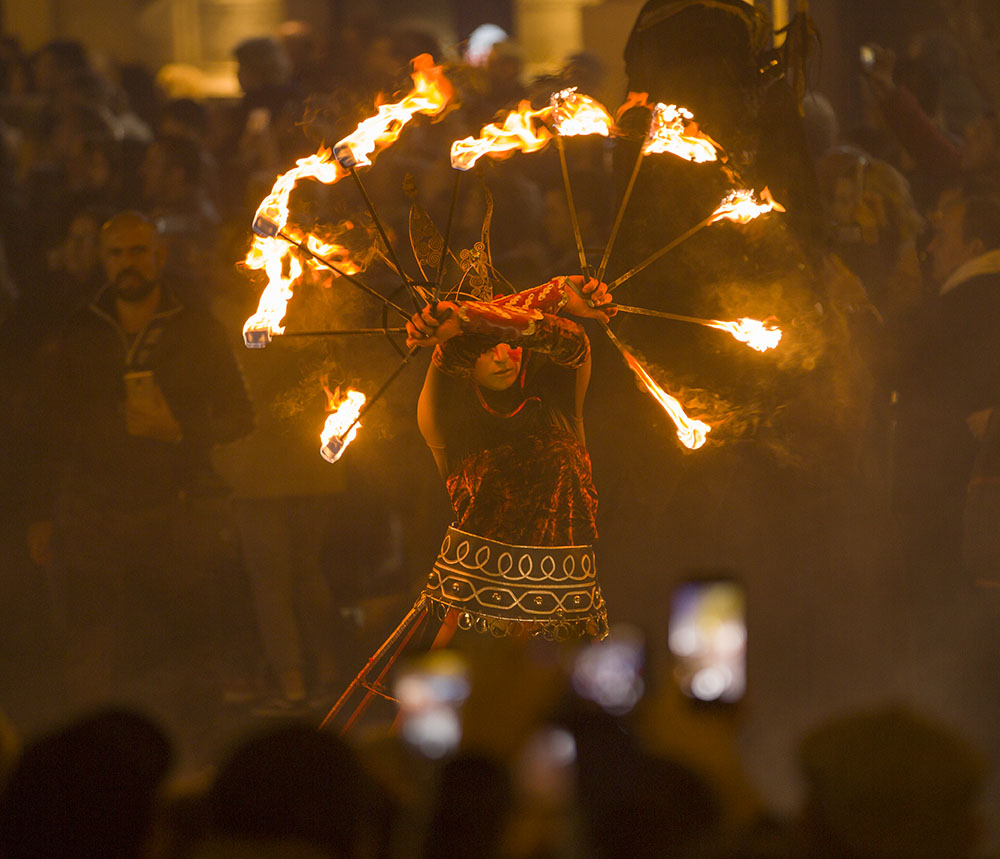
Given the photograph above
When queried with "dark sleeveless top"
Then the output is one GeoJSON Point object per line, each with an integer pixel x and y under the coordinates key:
{"type": "Point", "coordinates": [518, 473]}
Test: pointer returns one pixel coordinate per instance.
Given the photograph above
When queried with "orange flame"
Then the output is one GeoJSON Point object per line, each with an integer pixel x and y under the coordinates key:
{"type": "Point", "coordinates": [691, 432]}
{"type": "Point", "coordinates": [523, 130]}
{"type": "Point", "coordinates": [431, 93]}
{"type": "Point", "coordinates": [673, 129]}
{"type": "Point", "coordinates": [740, 206]}
{"type": "Point", "coordinates": [343, 416]}
{"type": "Point", "coordinates": [570, 113]}
{"type": "Point", "coordinates": [756, 334]}
{"type": "Point", "coordinates": [575, 114]}
{"type": "Point", "coordinates": [284, 263]}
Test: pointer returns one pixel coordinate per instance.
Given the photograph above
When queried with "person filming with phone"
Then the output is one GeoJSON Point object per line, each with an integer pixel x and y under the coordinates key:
{"type": "Point", "coordinates": [127, 509]}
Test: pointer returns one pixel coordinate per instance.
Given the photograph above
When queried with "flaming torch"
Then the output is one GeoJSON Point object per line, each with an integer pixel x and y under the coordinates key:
{"type": "Point", "coordinates": [691, 432]}
{"type": "Point", "coordinates": [758, 335]}
{"type": "Point", "coordinates": [342, 424]}
{"type": "Point", "coordinates": [738, 206]}
{"type": "Point", "coordinates": [575, 114]}
{"type": "Point", "coordinates": [671, 129]}
{"type": "Point", "coordinates": [283, 252]}
{"type": "Point", "coordinates": [523, 130]}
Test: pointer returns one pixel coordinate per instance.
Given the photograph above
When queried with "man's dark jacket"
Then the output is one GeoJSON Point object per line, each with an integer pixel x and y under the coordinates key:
{"type": "Point", "coordinates": [82, 445]}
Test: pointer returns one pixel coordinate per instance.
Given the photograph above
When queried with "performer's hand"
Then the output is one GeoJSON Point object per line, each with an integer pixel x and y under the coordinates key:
{"type": "Point", "coordinates": [435, 324]}
{"type": "Point", "coordinates": [589, 298]}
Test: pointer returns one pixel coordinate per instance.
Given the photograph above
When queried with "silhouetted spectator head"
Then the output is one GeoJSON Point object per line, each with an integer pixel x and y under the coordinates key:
{"type": "Point", "coordinates": [921, 79]}
{"type": "Point", "coordinates": [87, 790]}
{"type": "Point", "coordinates": [15, 69]}
{"type": "Point", "coordinates": [262, 62]}
{"type": "Point", "coordinates": [586, 72]}
{"type": "Point", "coordinates": [981, 144]}
{"type": "Point", "coordinates": [173, 169]}
{"type": "Point", "coordinates": [820, 124]}
{"type": "Point", "coordinates": [291, 782]}
{"type": "Point", "coordinates": [184, 117]}
{"type": "Point", "coordinates": [57, 61]}
{"type": "Point", "coordinates": [889, 783]}
{"type": "Point", "coordinates": [138, 86]}
{"type": "Point", "coordinates": [504, 70]}
{"type": "Point", "coordinates": [79, 254]}
{"type": "Point", "coordinates": [410, 42]}
{"type": "Point", "coordinates": [472, 808]}
{"type": "Point", "coordinates": [965, 227]}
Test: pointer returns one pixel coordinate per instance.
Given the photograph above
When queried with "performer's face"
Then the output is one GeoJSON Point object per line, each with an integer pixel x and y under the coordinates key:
{"type": "Point", "coordinates": [497, 368]}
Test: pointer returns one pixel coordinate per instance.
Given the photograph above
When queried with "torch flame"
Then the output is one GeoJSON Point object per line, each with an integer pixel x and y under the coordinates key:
{"type": "Point", "coordinates": [673, 129]}
{"type": "Point", "coordinates": [431, 93]}
{"type": "Point", "coordinates": [740, 206]}
{"type": "Point", "coordinates": [756, 334]}
{"type": "Point", "coordinates": [343, 415]}
{"type": "Point", "coordinates": [575, 114]}
{"type": "Point", "coordinates": [284, 263]}
{"type": "Point", "coordinates": [523, 130]}
{"type": "Point", "coordinates": [569, 112]}
{"type": "Point", "coordinates": [691, 432]}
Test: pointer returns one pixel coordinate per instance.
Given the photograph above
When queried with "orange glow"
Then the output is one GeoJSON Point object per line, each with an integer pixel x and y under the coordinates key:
{"type": "Point", "coordinates": [740, 206]}
{"type": "Point", "coordinates": [691, 432]}
{"type": "Point", "coordinates": [756, 334]}
{"type": "Point", "coordinates": [343, 416]}
{"type": "Point", "coordinates": [673, 129]}
{"type": "Point", "coordinates": [285, 263]}
{"type": "Point", "coordinates": [575, 114]}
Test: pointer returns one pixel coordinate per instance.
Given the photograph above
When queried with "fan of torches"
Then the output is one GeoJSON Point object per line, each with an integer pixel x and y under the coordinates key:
{"type": "Point", "coordinates": [284, 252]}
{"type": "Point", "coordinates": [672, 130]}
{"type": "Point", "coordinates": [281, 250]}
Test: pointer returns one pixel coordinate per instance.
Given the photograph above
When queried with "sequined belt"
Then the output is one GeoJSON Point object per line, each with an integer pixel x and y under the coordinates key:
{"type": "Point", "coordinates": [514, 590]}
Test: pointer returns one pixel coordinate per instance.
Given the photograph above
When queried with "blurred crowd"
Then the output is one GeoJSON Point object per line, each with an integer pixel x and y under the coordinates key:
{"type": "Point", "coordinates": [284, 574]}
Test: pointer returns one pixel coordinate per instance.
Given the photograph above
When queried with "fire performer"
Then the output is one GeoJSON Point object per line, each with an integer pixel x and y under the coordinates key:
{"type": "Point", "coordinates": [502, 412]}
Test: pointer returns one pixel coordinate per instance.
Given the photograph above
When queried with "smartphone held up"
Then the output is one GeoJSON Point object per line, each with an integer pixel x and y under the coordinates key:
{"type": "Point", "coordinates": [707, 638]}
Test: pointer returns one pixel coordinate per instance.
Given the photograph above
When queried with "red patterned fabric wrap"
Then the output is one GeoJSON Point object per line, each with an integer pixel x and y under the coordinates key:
{"type": "Point", "coordinates": [562, 340]}
{"type": "Point", "coordinates": [534, 490]}
{"type": "Point", "coordinates": [548, 297]}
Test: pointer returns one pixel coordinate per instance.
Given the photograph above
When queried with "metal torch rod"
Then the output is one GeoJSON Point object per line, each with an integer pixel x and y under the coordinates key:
{"type": "Point", "coordinates": [385, 386]}
{"type": "Point", "coordinates": [665, 249]}
{"type": "Point", "coordinates": [574, 220]}
{"type": "Point", "coordinates": [302, 246]}
{"type": "Point", "coordinates": [385, 238]}
{"type": "Point", "coordinates": [662, 314]}
{"type": "Point", "coordinates": [620, 216]}
{"type": "Point", "coordinates": [340, 332]}
{"type": "Point", "coordinates": [447, 235]}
